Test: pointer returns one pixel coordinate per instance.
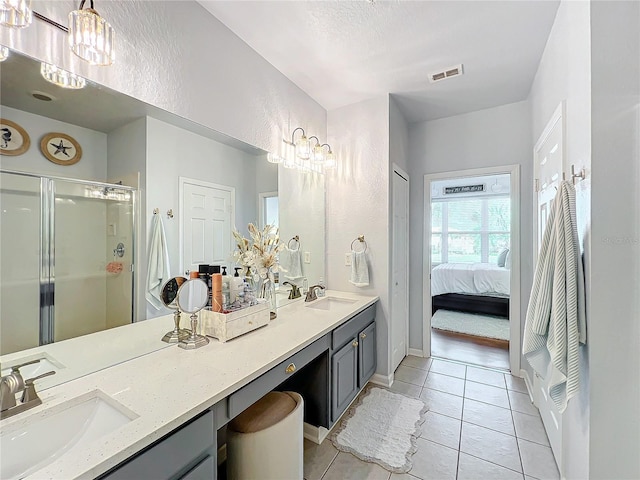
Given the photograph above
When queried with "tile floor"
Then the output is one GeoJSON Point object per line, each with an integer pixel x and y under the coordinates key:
{"type": "Point", "coordinates": [480, 425]}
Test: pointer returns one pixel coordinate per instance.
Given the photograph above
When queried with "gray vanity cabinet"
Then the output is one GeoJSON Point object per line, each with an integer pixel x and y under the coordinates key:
{"type": "Point", "coordinates": [367, 359]}
{"type": "Point", "coordinates": [344, 374]}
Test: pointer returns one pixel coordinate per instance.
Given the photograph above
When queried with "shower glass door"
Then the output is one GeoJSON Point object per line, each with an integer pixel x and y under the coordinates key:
{"type": "Point", "coordinates": [67, 259]}
{"type": "Point", "coordinates": [20, 223]}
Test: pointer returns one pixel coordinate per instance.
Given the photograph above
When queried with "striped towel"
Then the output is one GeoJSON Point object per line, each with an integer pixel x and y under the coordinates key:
{"type": "Point", "coordinates": [556, 323]}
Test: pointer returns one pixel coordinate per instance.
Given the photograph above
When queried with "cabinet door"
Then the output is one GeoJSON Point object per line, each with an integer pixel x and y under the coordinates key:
{"type": "Point", "coordinates": [367, 354]}
{"type": "Point", "coordinates": [344, 377]}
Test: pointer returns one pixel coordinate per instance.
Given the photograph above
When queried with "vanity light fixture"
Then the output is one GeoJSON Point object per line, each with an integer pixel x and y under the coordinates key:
{"type": "Point", "coordinates": [4, 53]}
{"type": "Point", "coordinates": [61, 78]}
{"type": "Point", "coordinates": [91, 37]}
{"type": "Point", "coordinates": [316, 159]}
{"type": "Point", "coordinates": [16, 13]}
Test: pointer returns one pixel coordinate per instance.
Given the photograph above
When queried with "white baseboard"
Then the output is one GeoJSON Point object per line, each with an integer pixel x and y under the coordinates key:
{"type": "Point", "coordinates": [315, 434]}
{"type": "Point", "coordinates": [525, 376]}
{"type": "Point", "coordinates": [416, 352]}
{"type": "Point", "coordinates": [385, 381]}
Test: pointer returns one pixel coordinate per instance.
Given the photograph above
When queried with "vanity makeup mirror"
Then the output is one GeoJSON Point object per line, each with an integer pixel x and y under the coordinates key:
{"type": "Point", "coordinates": [169, 296]}
{"type": "Point", "coordinates": [159, 159]}
{"type": "Point", "coordinates": [192, 297]}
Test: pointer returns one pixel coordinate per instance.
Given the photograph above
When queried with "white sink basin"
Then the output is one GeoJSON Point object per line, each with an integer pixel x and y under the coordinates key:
{"type": "Point", "coordinates": [37, 440]}
{"type": "Point", "coordinates": [330, 303]}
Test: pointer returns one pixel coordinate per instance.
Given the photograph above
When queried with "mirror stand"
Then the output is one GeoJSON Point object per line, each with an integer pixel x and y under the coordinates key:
{"type": "Point", "coordinates": [194, 340]}
{"type": "Point", "coordinates": [177, 334]}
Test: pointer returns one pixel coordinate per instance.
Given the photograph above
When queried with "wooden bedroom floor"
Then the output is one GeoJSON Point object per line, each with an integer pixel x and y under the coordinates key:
{"type": "Point", "coordinates": [485, 352]}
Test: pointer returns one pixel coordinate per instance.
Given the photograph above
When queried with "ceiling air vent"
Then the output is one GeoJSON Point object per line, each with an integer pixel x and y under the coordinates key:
{"type": "Point", "coordinates": [446, 73]}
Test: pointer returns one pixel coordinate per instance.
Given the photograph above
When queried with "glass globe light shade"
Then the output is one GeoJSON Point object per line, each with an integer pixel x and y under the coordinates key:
{"type": "Point", "coordinates": [60, 77]}
{"type": "Point", "coordinates": [16, 13]}
{"type": "Point", "coordinates": [91, 37]}
{"type": "Point", "coordinates": [303, 148]}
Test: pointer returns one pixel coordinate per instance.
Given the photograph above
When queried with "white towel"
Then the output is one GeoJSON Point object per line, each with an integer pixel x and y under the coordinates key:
{"type": "Point", "coordinates": [158, 269]}
{"type": "Point", "coordinates": [359, 269]}
{"type": "Point", "coordinates": [291, 263]}
{"type": "Point", "coordinates": [556, 321]}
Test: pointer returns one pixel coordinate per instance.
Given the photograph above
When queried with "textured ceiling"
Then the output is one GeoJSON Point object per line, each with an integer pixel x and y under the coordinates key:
{"type": "Point", "coordinates": [342, 52]}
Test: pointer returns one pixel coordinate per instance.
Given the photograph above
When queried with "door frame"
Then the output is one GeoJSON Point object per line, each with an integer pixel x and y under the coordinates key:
{"type": "Point", "coordinates": [397, 170]}
{"type": "Point", "coordinates": [515, 297]}
{"type": "Point", "coordinates": [182, 181]}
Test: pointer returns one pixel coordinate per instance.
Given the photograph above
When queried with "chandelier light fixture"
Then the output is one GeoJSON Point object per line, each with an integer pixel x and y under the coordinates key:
{"type": "Point", "coordinates": [91, 37]}
{"type": "Point", "coordinates": [16, 13]}
{"type": "Point", "coordinates": [60, 77]}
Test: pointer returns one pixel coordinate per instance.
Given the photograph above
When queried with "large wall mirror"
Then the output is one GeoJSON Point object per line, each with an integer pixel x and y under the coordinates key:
{"type": "Point", "coordinates": [75, 235]}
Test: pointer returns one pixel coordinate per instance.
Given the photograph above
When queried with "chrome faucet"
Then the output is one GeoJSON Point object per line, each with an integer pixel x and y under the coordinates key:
{"type": "Point", "coordinates": [12, 384]}
{"type": "Point", "coordinates": [295, 291]}
{"type": "Point", "coordinates": [311, 294]}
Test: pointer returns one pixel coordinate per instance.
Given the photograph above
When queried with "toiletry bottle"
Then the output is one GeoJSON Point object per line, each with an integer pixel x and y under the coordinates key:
{"type": "Point", "coordinates": [236, 286]}
{"type": "Point", "coordinates": [320, 291]}
{"type": "Point", "coordinates": [216, 288]}
{"type": "Point", "coordinates": [237, 269]}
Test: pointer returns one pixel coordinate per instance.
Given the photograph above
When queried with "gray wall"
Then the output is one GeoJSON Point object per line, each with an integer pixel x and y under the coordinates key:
{"type": "Point", "coordinates": [486, 138]}
{"type": "Point", "coordinates": [614, 335]}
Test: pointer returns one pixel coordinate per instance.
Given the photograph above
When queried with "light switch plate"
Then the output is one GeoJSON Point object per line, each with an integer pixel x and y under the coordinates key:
{"type": "Point", "coordinates": [307, 257]}
{"type": "Point", "coordinates": [347, 259]}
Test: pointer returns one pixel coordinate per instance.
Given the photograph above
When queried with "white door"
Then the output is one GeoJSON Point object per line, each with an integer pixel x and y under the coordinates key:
{"type": "Point", "coordinates": [207, 212]}
{"type": "Point", "coordinates": [548, 168]}
{"type": "Point", "coordinates": [400, 269]}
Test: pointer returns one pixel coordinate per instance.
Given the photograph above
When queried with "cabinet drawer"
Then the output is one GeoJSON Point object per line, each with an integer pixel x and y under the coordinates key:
{"type": "Point", "coordinates": [172, 454]}
{"type": "Point", "coordinates": [205, 470]}
{"type": "Point", "coordinates": [251, 393]}
{"type": "Point", "coordinates": [352, 327]}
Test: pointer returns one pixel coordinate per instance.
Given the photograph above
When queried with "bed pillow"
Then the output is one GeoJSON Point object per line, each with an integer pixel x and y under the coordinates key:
{"type": "Point", "coordinates": [502, 257]}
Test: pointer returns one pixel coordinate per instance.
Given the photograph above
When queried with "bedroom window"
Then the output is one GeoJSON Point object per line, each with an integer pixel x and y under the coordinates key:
{"type": "Point", "coordinates": [470, 230]}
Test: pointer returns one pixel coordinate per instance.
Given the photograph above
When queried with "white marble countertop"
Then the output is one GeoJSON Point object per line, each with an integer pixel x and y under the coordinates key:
{"type": "Point", "coordinates": [167, 387]}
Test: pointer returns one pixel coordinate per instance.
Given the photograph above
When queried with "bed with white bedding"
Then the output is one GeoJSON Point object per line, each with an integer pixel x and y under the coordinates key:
{"type": "Point", "coordinates": [471, 287]}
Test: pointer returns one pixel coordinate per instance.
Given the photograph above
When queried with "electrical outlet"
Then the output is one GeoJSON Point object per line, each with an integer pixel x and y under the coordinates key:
{"type": "Point", "coordinates": [347, 259]}
{"type": "Point", "coordinates": [307, 257]}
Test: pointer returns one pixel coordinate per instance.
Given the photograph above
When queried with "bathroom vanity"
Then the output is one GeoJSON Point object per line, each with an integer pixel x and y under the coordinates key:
{"type": "Point", "coordinates": [177, 400]}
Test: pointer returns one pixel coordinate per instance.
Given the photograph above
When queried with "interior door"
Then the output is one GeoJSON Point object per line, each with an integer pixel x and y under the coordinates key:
{"type": "Point", "coordinates": [400, 269]}
{"type": "Point", "coordinates": [548, 168]}
{"type": "Point", "coordinates": [206, 224]}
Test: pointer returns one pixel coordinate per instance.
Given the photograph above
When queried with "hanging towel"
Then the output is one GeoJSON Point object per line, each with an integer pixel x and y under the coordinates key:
{"type": "Point", "coordinates": [291, 263]}
{"type": "Point", "coordinates": [359, 269]}
{"type": "Point", "coordinates": [556, 321]}
{"type": "Point", "coordinates": [158, 269]}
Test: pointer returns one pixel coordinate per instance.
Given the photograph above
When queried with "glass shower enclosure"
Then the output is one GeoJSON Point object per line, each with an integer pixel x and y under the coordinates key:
{"type": "Point", "coordinates": [66, 258]}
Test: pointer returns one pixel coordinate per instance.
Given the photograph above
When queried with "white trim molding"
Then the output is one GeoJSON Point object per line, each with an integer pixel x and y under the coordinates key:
{"type": "Point", "coordinates": [382, 380]}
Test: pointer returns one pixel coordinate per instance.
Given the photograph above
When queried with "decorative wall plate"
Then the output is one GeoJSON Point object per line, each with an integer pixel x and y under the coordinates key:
{"type": "Point", "coordinates": [61, 148]}
{"type": "Point", "coordinates": [14, 140]}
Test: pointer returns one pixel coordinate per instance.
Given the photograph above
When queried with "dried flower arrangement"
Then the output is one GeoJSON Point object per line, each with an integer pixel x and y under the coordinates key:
{"type": "Point", "coordinates": [260, 253]}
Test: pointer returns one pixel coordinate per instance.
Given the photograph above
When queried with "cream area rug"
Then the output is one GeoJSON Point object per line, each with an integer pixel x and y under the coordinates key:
{"type": "Point", "coordinates": [382, 427]}
{"type": "Point", "coordinates": [471, 324]}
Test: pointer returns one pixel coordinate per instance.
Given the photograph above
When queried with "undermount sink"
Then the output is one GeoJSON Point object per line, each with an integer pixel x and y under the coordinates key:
{"type": "Point", "coordinates": [330, 303]}
{"type": "Point", "coordinates": [32, 443]}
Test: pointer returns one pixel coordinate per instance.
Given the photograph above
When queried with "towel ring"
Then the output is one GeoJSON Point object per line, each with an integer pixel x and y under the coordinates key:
{"type": "Point", "coordinates": [296, 239]}
{"type": "Point", "coordinates": [361, 240]}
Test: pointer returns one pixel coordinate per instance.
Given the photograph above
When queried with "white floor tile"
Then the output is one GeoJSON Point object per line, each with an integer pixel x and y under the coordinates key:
{"type": "Point", "coordinates": [444, 403]}
{"type": "Point", "coordinates": [402, 476]}
{"type": "Point", "coordinates": [317, 458]}
{"type": "Point", "coordinates": [411, 375]}
{"type": "Point", "coordinates": [495, 447]}
{"type": "Point", "coordinates": [448, 368]}
{"type": "Point", "coordinates": [406, 388]}
{"type": "Point", "coordinates": [515, 383]}
{"type": "Point", "coordinates": [487, 394]}
{"type": "Point", "coordinates": [441, 429]}
{"type": "Point", "coordinates": [445, 383]}
{"type": "Point", "coordinates": [538, 461]}
{"type": "Point", "coordinates": [416, 362]}
{"type": "Point", "coordinates": [530, 428]}
{"type": "Point", "coordinates": [434, 462]}
{"type": "Point", "coordinates": [348, 467]}
{"type": "Point", "coordinates": [472, 468]}
{"type": "Point", "coordinates": [489, 416]}
{"type": "Point", "coordinates": [520, 402]}
{"type": "Point", "coordinates": [488, 377]}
